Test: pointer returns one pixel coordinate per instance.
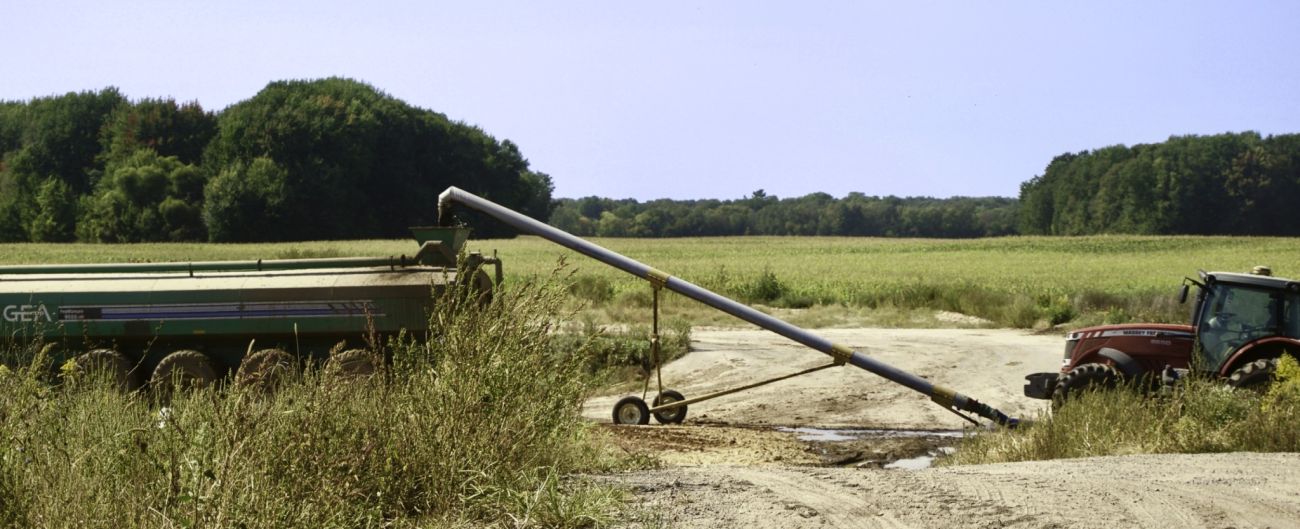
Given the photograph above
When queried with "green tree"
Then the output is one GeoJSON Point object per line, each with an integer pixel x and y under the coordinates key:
{"type": "Point", "coordinates": [358, 163]}
{"type": "Point", "coordinates": [243, 201]}
{"type": "Point", "coordinates": [183, 131]}
{"type": "Point", "coordinates": [56, 213]}
{"type": "Point", "coordinates": [145, 197]}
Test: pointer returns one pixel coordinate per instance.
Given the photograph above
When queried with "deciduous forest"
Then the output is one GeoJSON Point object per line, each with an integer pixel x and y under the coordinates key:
{"type": "Point", "coordinates": [339, 159]}
{"type": "Point", "coordinates": [1226, 184]}
{"type": "Point", "coordinates": [324, 159]}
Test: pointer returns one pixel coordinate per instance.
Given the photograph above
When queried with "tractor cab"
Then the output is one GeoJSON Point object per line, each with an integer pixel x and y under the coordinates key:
{"type": "Point", "coordinates": [1236, 314]}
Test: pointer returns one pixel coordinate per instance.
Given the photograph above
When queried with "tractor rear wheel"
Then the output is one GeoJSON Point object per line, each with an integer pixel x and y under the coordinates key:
{"type": "Point", "coordinates": [673, 416]}
{"type": "Point", "coordinates": [1255, 375]}
{"type": "Point", "coordinates": [631, 410]}
{"type": "Point", "coordinates": [1084, 378]}
{"type": "Point", "coordinates": [183, 370]}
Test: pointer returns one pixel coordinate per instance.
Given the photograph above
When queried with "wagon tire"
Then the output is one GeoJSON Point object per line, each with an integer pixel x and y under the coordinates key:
{"type": "Point", "coordinates": [1256, 375]}
{"type": "Point", "coordinates": [265, 370]}
{"type": "Point", "coordinates": [631, 410]}
{"type": "Point", "coordinates": [352, 363]}
{"type": "Point", "coordinates": [183, 370]}
{"type": "Point", "coordinates": [1084, 378]}
{"type": "Point", "coordinates": [109, 364]}
{"type": "Point", "coordinates": [673, 416]}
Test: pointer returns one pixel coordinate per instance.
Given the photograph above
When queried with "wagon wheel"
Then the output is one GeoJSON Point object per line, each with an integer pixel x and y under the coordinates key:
{"type": "Point", "coordinates": [265, 370]}
{"type": "Point", "coordinates": [673, 416]}
{"type": "Point", "coordinates": [108, 364]}
{"type": "Point", "coordinates": [631, 410]}
{"type": "Point", "coordinates": [352, 363]}
{"type": "Point", "coordinates": [182, 370]}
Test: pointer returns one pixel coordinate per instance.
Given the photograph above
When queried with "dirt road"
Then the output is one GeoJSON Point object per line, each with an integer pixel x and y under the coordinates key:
{"type": "Point", "coordinates": [987, 364]}
{"type": "Point", "coordinates": [731, 466]}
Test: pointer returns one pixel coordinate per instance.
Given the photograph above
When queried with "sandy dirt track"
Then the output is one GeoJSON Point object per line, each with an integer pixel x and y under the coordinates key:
{"type": "Point", "coordinates": [1165, 491]}
{"type": "Point", "coordinates": [729, 467]}
{"type": "Point", "coordinates": [986, 364]}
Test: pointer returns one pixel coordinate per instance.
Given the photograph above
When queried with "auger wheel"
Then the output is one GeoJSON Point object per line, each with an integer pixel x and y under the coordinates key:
{"type": "Point", "coordinates": [631, 410]}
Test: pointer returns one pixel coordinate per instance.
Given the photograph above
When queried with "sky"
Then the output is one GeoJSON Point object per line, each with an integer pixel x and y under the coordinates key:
{"type": "Point", "coordinates": [716, 99]}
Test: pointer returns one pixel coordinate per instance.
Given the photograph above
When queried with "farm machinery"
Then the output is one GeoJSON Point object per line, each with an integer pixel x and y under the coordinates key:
{"type": "Point", "coordinates": [198, 322]}
{"type": "Point", "coordinates": [670, 406]}
{"type": "Point", "coordinates": [1241, 324]}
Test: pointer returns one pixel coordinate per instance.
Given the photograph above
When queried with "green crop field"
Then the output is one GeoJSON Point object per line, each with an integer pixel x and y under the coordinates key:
{"type": "Point", "coordinates": [1016, 281]}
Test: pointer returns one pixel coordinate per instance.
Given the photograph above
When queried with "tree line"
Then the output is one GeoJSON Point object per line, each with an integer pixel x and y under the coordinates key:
{"type": "Point", "coordinates": [322, 159]}
{"type": "Point", "coordinates": [338, 159]}
{"type": "Point", "coordinates": [1224, 184]}
{"type": "Point", "coordinates": [814, 214]}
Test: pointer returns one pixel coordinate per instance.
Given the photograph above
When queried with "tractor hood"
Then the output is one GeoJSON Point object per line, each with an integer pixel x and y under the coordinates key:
{"type": "Point", "coordinates": [1131, 329]}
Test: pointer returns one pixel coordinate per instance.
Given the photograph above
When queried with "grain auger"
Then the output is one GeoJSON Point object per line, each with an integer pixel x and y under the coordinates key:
{"type": "Point", "coordinates": [670, 406]}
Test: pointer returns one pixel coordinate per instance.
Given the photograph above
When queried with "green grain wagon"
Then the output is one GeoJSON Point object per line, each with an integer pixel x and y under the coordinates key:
{"type": "Point", "coordinates": [198, 322]}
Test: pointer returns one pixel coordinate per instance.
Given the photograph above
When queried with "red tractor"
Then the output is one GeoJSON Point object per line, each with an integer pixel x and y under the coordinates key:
{"type": "Point", "coordinates": [1241, 325]}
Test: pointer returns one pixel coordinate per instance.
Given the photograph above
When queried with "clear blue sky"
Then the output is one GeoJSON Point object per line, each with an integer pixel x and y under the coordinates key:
{"type": "Point", "coordinates": [717, 99]}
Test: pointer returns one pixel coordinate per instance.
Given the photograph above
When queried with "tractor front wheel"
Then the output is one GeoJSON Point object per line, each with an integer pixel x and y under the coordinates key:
{"type": "Point", "coordinates": [1084, 378]}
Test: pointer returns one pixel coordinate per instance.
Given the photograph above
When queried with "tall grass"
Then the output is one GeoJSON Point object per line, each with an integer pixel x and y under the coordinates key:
{"type": "Point", "coordinates": [1200, 415]}
{"type": "Point", "coordinates": [478, 424]}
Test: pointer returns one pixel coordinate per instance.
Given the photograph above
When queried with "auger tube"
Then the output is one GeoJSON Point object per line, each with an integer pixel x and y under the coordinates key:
{"type": "Point", "coordinates": [945, 397]}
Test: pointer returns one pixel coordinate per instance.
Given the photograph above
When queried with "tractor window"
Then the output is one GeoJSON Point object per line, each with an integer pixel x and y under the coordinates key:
{"type": "Point", "coordinates": [1234, 315]}
{"type": "Point", "coordinates": [1291, 318]}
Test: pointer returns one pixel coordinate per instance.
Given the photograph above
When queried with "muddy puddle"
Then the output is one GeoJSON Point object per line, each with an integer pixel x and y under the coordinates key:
{"type": "Point", "coordinates": [706, 444]}
{"type": "Point", "coordinates": [878, 448]}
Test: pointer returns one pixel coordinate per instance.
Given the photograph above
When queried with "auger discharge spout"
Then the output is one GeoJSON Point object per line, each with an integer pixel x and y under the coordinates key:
{"type": "Point", "coordinates": [842, 354]}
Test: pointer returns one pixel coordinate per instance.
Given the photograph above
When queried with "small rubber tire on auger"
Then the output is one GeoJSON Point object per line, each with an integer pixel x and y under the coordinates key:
{"type": "Point", "coordinates": [1257, 375]}
{"type": "Point", "coordinates": [1084, 378]}
{"type": "Point", "coordinates": [182, 370]}
{"type": "Point", "coordinates": [631, 410]}
{"type": "Point", "coordinates": [673, 416]}
{"type": "Point", "coordinates": [265, 370]}
{"type": "Point", "coordinates": [107, 363]}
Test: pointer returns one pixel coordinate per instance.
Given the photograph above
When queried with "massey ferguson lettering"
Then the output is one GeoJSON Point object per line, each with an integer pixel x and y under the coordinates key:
{"type": "Point", "coordinates": [26, 313]}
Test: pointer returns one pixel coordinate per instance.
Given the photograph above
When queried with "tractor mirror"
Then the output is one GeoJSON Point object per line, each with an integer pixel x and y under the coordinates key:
{"type": "Point", "coordinates": [1182, 294]}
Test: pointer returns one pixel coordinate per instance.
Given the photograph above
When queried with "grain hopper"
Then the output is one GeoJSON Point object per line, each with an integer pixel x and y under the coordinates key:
{"type": "Point", "coordinates": [198, 321]}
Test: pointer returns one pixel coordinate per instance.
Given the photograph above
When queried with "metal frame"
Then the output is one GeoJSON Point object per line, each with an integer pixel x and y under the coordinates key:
{"type": "Point", "coordinates": [949, 399]}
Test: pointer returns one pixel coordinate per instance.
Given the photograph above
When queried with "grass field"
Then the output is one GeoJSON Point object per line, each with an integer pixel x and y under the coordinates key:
{"type": "Point", "coordinates": [1016, 281]}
